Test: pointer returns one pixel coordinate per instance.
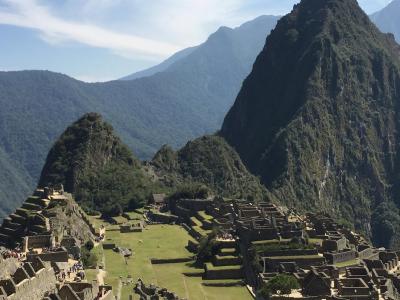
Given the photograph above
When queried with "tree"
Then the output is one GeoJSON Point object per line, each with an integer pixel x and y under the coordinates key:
{"type": "Point", "coordinates": [280, 284]}
{"type": "Point", "coordinates": [208, 247]}
{"type": "Point", "coordinates": [88, 257]}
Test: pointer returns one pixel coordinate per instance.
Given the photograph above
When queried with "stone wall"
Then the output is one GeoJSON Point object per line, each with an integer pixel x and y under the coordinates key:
{"type": "Point", "coordinates": [291, 252]}
{"type": "Point", "coordinates": [33, 286]}
{"type": "Point", "coordinates": [305, 262]}
{"type": "Point", "coordinates": [334, 258]}
{"type": "Point", "coordinates": [38, 241]}
{"type": "Point", "coordinates": [7, 267]}
{"type": "Point", "coordinates": [84, 290]}
{"type": "Point", "coordinates": [163, 218]}
{"type": "Point", "coordinates": [223, 274]}
{"type": "Point", "coordinates": [56, 256]}
{"type": "Point", "coordinates": [368, 253]}
{"type": "Point", "coordinates": [195, 204]}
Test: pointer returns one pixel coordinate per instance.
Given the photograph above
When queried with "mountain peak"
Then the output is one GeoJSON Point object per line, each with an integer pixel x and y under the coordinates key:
{"type": "Point", "coordinates": [93, 164]}
{"type": "Point", "coordinates": [317, 109]}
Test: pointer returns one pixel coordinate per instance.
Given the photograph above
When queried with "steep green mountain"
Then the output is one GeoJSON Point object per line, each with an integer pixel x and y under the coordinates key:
{"type": "Point", "coordinates": [187, 99]}
{"type": "Point", "coordinates": [318, 117]}
{"type": "Point", "coordinates": [388, 19]}
{"type": "Point", "coordinates": [211, 161]}
{"type": "Point", "coordinates": [93, 164]}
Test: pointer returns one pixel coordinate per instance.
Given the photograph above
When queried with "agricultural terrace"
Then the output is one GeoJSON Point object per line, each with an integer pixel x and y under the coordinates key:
{"type": "Point", "coordinates": [161, 242]}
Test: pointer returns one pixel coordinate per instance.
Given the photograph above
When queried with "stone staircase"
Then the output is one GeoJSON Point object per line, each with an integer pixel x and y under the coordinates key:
{"type": "Point", "coordinates": [201, 225]}
{"type": "Point", "coordinates": [15, 226]}
{"type": "Point", "coordinates": [225, 265]}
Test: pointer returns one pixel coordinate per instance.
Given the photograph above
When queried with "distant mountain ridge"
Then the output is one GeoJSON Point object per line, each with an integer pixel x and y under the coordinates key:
{"type": "Point", "coordinates": [162, 66]}
{"type": "Point", "coordinates": [184, 101]}
{"type": "Point", "coordinates": [388, 19]}
{"type": "Point", "coordinates": [243, 36]}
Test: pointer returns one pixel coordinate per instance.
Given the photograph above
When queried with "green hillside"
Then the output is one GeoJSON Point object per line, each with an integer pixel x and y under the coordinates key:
{"type": "Point", "coordinates": [93, 164]}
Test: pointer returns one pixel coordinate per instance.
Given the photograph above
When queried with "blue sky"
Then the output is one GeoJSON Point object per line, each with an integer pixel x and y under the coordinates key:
{"type": "Point", "coordinates": [99, 40]}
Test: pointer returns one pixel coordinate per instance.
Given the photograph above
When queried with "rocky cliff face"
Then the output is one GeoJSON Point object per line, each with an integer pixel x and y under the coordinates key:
{"type": "Point", "coordinates": [318, 117]}
{"type": "Point", "coordinates": [93, 164]}
{"type": "Point", "coordinates": [211, 161]}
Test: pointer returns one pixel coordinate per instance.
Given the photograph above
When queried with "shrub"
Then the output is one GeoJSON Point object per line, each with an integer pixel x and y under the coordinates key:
{"type": "Point", "coordinates": [280, 284]}
{"type": "Point", "coordinates": [89, 259]}
{"type": "Point", "coordinates": [208, 247]}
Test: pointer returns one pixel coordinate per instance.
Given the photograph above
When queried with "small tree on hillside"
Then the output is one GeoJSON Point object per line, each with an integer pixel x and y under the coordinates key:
{"type": "Point", "coordinates": [280, 284]}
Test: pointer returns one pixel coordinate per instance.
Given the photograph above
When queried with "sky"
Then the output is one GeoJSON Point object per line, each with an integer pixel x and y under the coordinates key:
{"type": "Point", "coordinates": [100, 40]}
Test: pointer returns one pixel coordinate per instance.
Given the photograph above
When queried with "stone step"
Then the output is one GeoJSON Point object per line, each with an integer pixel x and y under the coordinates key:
{"type": "Point", "coordinates": [38, 201]}
{"type": "Point", "coordinates": [4, 239]}
{"type": "Point", "coordinates": [9, 231]}
{"type": "Point", "coordinates": [10, 224]}
{"type": "Point", "coordinates": [226, 260]}
{"type": "Point", "coordinates": [18, 219]}
{"type": "Point", "coordinates": [223, 282]}
{"type": "Point", "coordinates": [222, 272]}
{"type": "Point", "coordinates": [22, 212]}
{"type": "Point", "coordinates": [38, 228]}
{"type": "Point", "coordinates": [195, 222]}
{"type": "Point", "coordinates": [7, 220]}
{"type": "Point", "coordinates": [227, 251]}
{"type": "Point", "coordinates": [31, 206]}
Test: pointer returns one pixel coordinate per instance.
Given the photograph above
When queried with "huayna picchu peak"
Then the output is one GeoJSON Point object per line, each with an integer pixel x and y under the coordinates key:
{"type": "Point", "coordinates": [317, 118]}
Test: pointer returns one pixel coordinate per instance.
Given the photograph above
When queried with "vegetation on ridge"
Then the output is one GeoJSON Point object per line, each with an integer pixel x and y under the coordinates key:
{"type": "Point", "coordinates": [94, 165]}
{"type": "Point", "coordinates": [211, 161]}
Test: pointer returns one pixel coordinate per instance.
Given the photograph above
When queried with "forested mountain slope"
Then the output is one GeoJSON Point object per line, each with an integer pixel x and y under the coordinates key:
{"type": "Point", "coordinates": [317, 118]}
{"type": "Point", "coordinates": [187, 99]}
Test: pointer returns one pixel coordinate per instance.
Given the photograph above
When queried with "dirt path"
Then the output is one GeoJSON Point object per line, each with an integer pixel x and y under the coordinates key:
{"type": "Point", "coordinates": [101, 274]}
{"type": "Point", "coordinates": [186, 288]}
{"type": "Point", "coordinates": [119, 290]}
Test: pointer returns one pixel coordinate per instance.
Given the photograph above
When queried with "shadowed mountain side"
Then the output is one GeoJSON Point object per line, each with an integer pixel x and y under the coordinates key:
{"type": "Point", "coordinates": [211, 161]}
{"type": "Point", "coordinates": [317, 118]}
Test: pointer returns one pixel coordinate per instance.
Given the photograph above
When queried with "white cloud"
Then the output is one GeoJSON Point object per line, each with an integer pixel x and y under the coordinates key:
{"type": "Point", "coordinates": [140, 29]}
{"type": "Point", "coordinates": [30, 14]}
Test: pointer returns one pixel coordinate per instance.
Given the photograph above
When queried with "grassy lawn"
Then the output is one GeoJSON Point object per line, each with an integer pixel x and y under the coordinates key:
{"type": "Point", "coordinates": [196, 221]}
{"type": "Point", "coordinates": [160, 241]}
{"type": "Point", "coordinates": [91, 274]}
{"type": "Point", "coordinates": [315, 241]}
{"type": "Point", "coordinates": [120, 220]}
{"type": "Point", "coordinates": [294, 257]}
{"type": "Point", "coordinates": [135, 215]}
{"type": "Point", "coordinates": [347, 263]}
{"type": "Point", "coordinates": [205, 216]}
{"type": "Point", "coordinates": [211, 267]}
{"type": "Point", "coordinates": [270, 242]}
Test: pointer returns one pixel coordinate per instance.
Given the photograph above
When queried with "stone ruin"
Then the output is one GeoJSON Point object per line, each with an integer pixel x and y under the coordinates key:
{"type": "Point", "coordinates": [39, 237]}
{"type": "Point", "coordinates": [152, 292]}
{"type": "Point", "coordinates": [31, 281]}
